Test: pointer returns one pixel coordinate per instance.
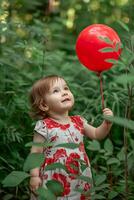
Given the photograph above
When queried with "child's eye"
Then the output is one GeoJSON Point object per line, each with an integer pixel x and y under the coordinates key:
{"type": "Point", "coordinates": [55, 91]}
{"type": "Point", "coordinates": [66, 88]}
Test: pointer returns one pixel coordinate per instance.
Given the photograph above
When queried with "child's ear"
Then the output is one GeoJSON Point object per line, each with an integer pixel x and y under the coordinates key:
{"type": "Point", "coordinates": [43, 107]}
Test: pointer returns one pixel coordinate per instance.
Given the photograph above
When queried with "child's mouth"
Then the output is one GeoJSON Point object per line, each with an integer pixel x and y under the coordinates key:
{"type": "Point", "coordinates": [67, 99]}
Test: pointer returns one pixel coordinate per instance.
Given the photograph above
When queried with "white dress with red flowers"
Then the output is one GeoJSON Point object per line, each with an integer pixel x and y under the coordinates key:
{"type": "Point", "coordinates": [75, 159]}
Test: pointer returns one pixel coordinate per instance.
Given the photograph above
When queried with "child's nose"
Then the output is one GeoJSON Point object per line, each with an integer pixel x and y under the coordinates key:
{"type": "Point", "coordinates": [64, 93]}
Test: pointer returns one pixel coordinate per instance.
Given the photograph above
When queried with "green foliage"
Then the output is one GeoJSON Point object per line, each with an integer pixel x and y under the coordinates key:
{"type": "Point", "coordinates": [14, 178]}
{"type": "Point", "coordinates": [33, 160]}
{"type": "Point", "coordinates": [69, 145]}
{"type": "Point", "coordinates": [45, 194]}
{"type": "Point", "coordinates": [121, 121]}
{"type": "Point", "coordinates": [55, 186]}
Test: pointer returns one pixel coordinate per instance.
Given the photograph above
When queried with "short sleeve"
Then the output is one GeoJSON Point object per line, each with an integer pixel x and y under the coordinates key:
{"type": "Point", "coordinates": [41, 128]}
{"type": "Point", "coordinates": [84, 121]}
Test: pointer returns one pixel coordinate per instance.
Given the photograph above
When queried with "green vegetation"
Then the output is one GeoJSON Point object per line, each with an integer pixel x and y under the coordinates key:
{"type": "Point", "coordinates": [38, 40]}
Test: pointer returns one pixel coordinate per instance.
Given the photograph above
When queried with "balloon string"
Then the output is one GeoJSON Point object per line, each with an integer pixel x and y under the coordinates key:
{"type": "Point", "coordinates": [101, 89]}
{"type": "Point", "coordinates": [102, 95]}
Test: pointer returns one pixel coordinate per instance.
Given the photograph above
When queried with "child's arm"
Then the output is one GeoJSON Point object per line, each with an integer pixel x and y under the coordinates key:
{"type": "Point", "coordinates": [35, 149]}
{"type": "Point", "coordinates": [35, 180]}
{"type": "Point", "coordinates": [101, 131]}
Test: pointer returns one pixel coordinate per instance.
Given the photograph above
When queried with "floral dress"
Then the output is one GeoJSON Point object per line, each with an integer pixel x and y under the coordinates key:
{"type": "Point", "coordinates": [74, 159]}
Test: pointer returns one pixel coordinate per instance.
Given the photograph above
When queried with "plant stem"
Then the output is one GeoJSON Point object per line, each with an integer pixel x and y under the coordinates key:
{"type": "Point", "coordinates": [127, 116]}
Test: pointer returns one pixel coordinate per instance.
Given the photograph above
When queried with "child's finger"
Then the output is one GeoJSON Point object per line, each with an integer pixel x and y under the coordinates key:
{"type": "Point", "coordinates": [106, 109]}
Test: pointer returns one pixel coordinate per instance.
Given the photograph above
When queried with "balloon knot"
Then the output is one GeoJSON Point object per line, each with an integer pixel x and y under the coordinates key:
{"type": "Point", "coordinates": [98, 74]}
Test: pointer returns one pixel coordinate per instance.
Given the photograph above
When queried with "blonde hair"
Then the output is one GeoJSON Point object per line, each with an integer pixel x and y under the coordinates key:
{"type": "Point", "coordinates": [37, 95]}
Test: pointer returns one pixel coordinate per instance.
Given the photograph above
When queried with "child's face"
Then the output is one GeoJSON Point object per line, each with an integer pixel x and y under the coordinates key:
{"type": "Point", "coordinates": [59, 98]}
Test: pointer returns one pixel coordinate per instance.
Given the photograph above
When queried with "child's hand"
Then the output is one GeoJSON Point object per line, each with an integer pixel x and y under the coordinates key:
{"type": "Point", "coordinates": [35, 183]}
{"type": "Point", "coordinates": [107, 112]}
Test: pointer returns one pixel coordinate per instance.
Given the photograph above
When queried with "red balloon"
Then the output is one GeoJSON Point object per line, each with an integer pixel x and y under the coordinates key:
{"type": "Point", "coordinates": [90, 43]}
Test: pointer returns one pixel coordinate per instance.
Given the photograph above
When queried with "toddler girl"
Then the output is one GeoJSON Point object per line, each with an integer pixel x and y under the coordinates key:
{"type": "Point", "coordinates": [51, 101]}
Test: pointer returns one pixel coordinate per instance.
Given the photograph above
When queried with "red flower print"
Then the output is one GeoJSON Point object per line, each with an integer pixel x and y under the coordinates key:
{"type": "Point", "coordinates": [54, 138]}
{"type": "Point", "coordinates": [83, 197]}
{"type": "Point", "coordinates": [81, 147]}
{"type": "Point", "coordinates": [48, 151]}
{"type": "Point", "coordinates": [59, 153]}
{"type": "Point", "coordinates": [53, 124]}
{"type": "Point", "coordinates": [47, 161]}
{"type": "Point", "coordinates": [76, 139]}
{"type": "Point", "coordinates": [71, 161]}
{"type": "Point", "coordinates": [63, 180]}
{"type": "Point", "coordinates": [87, 187]}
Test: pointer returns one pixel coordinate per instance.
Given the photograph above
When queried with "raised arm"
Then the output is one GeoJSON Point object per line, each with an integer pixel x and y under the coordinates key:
{"type": "Point", "coordinates": [101, 131]}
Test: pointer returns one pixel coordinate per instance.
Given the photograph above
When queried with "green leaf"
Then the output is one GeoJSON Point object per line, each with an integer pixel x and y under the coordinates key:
{"type": "Point", "coordinates": [14, 178]}
{"type": "Point", "coordinates": [94, 145]}
{"type": "Point", "coordinates": [33, 160]}
{"type": "Point", "coordinates": [68, 145]}
{"type": "Point", "coordinates": [112, 194]}
{"type": "Point", "coordinates": [123, 25]}
{"type": "Point", "coordinates": [101, 187]}
{"type": "Point", "coordinates": [125, 79]}
{"type": "Point", "coordinates": [8, 197]}
{"type": "Point", "coordinates": [121, 155]}
{"type": "Point", "coordinates": [55, 186]}
{"type": "Point", "coordinates": [83, 167]}
{"type": "Point", "coordinates": [55, 166]}
{"type": "Point", "coordinates": [121, 121]}
{"type": "Point", "coordinates": [45, 144]}
{"type": "Point", "coordinates": [106, 39]}
{"type": "Point", "coordinates": [117, 46]}
{"type": "Point", "coordinates": [112, 161]}
{"type": "Point", "coordinates": [132, 143]}
{"type": "Point", "coordinates": [45, 194]}
{"type": "Point", "coordinates": [85, 178]}
{"type": "Point", "coordinates": [113, 61]}
{"type": "Point", "coordinates": [100, 179]}
{"type": "Point", "coordinates": [107, 49]}
{"type": "Point", "coordinates": [98, 196]}
{"type": "Point", "coordinates": [108, 146]}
